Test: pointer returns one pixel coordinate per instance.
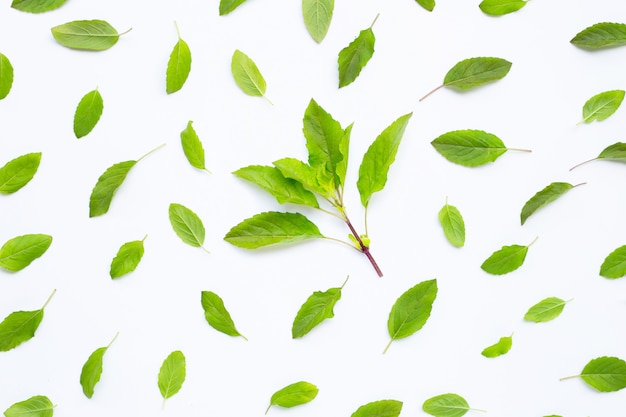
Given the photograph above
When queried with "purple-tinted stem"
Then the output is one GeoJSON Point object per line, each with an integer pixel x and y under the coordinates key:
{"type": "Point", "coordinates": [364, 249]}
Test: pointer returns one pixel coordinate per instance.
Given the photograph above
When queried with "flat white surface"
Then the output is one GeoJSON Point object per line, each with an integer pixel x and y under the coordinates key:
{"type": "Point", "coordinates": [157, 308]}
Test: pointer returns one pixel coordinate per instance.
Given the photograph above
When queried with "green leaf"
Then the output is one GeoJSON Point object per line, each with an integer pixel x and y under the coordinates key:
{"type": "Point", "coordinates": [227, 6]}
{"type": "Point", "coordinates": [128, 257]}
{"type": "Point", "coordinates": [411, 310]}
{"type": "Point", "coordinates": [37, 6]}
{"type": "Point", "coordinates": [601, 35]}
{"type": "Point", "coordinates": [178, 66]}
{"type": "Point", "coordinates": [602, 105]}
{"type": "Point", "coordinates": [427, 4]}
{"type": "Point", "coordinates": [6, 76]}
{"type": "Point", "coordinates": [452, 224]}
{"type": "Point", "coordinates": [506, 260]}
{"type": "Point", "coordinates": [446, 405]}
{"type": "Point", "coordinates": [108, 183]}
{"type": "Point", "coordinates": [92, 370]}
{"type": "Point", "coordinates": [272, 228]}
{"type": "Point", "coordinates": [318, 307]}
{"type": "Point", "coordinates": [606, 374]}
{"type": "Point", "coordinates": [172, 375]}
{"type": "Point", "coordinates": [88, 113]}
{"type": "Point", "coordinates": [317, 15]}
{"type": "Point", "coordinates": [379, 157]}
{"type": "Point", "coordinates": [37, 406]}
{"type": "Point", "coordinates": [543, 198]}
{"type": "Point", "coordinates": [382, 408]}
{"type": "Point", "coordinates": [545, 310]}
{"type": "Point", "coordinates": [312, 179]}
{"type": "Point", "coordinates": [501, 348]}
{"type": "Point", "coordinates": [615, 152]}
{"type": "Point", "coordinates": [20, 326]}
{"type": "Point", "coordinates": [501, 7]}
{"type": "Point", "coordinates": [90, 35]}
{"type": "Point", "coordinates": [355, 56]}
{"type": "Point", "coordinates": [247, 75]}
{"type": "Point", "coordinates": [216, 314]}
{"type": "Point", "coordinates": [192, 147]}
{"type": "Point", "coordinates": [286, 190]}
{"type": "Point", "coordinates": [614, 265]}
{"type": "Point", "coordinates": [18, 172]}
{"type": "Point", "coordinates": [17, 253]}
{"type": "Point", "coordinates": [187, 225]}
{"type": "Point", "coordinates": [469, 148]}
{"type": "Point", "coordinates": [294, 394]}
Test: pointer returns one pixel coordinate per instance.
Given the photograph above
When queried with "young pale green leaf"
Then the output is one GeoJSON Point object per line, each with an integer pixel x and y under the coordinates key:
{"type": "Point", "coordinates": [545, 310]}
{"type": "Point", "coordinates": [92, 370]}
{"type": "Point", "coordinates": [272, 228]}
{"type": "Point", "coordinates": [601, 35]}
{"type": "Point", "coordinates": [318, 307]}
{"type": "Point", "coordinates": [501, 7]}
{"type": "Point", "coordinates": [286, 190]}
{"type": "Point", "coordinates": [379, 157]}
{"type": "Point", "coordinates": [317, 15]}
{"type": "Point", "coordinates": [216, 314]}
{"type": "Point", "coordinates": [187, 225]}
{"type": "Point", "coordinates": [615, 152]}
{"type": "Point", "coordinates": [178, 66]}
{"type": "Point", "coordinates": [227, 6]}
{"type": "Point", "coordinates": [606, 374]}
{"type": "Point", "coordinates": [506, 260]}
{"type": "Point", "coordinates": [446, 405]}
{"type": "Point", "coordinates": [90, 35]}
{"type": "Point", "coordinates": [172, 375]}
{"type": "Point", "coordinates": [501, 348]}
{"type": "Point", "coordinates": [37, 6]}
{"type": "Point", "coordinates": [602, 105]}
{"type": "Point", "coordinates": [88, 113]}
{"type": "Point", "coordinates": [452, 224]}
{"type": "Point", "coordinates": [543, 198]}
{"type": "Point", "coordinates": [37, 406]}
{"type": "Point", "coordinates": [20, 326]}
{"type": "Point", "coordinates": [427, 4]}
{"type": "Point", "coordinates": [614, 265]}
{"type": "Point", "coordinates": [469, 148]}
{"type": "Point", "coordinates": [294, 394]}
{"type": "Point", "coordinates": [6, 76]}
{"type": "Point", "coordinates": [411, 310]}
{"type": "Point", "coordinates": [247, 75]}
{"type": "Point", "coordinates": [18, 172]}
{"type": "Point", "coordinates": [192, 147]}
{"type": "Point", "coordinates": [19, 252]}
{"type": "Point", "coordinates": [382, 408]}
{"type": "Point", "coordinates": [106, 186]}
{"type": "Point", "coordinates": [356, 55]}
{"type": "Point", "coordinates": [312, 179]}
{"type": "Point", "coordinates": [128, 257]}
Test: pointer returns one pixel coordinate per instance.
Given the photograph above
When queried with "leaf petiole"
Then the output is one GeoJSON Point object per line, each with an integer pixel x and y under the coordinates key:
{"type": "Point", "coordinates": [151, 152]}
{"type": "Point", "coordinates": [582, 163]}
{"type": "Point", "coordinates": [114, 338]}
{"type": "Point", "coordinates": [518, 150]}
{"type": "Point", "coordinates": [431, 92]}
{"type": "Point", "coordinates": [48, 300]}
{"type": "Point", "coordinates": [375, 19]}
{"type": "Point", "coordinates": [529, 245]}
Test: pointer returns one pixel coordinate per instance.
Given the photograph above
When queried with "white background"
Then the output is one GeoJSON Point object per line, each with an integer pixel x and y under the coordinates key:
{"type": "Point", "coordinates": [156, 309]}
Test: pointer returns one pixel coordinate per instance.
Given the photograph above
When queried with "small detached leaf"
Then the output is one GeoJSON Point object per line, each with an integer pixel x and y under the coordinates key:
{"type": "Point", "coordinates": [382, 408]}
{"type": "Point", "coordinates": [89, 35]}
{"type": "Point", "coordinates": [506, 260]}
{"type": "Point", "coordinates": [187, 225]}
{"type": "Point", "coordinates": [227, 6]}
{"type": "Point", "coordinates": [614, 265]}
{"type": "Point", "coordinates": [88, 113]}
{"type": "Point", "coordinates": [216, 314]}
{"type": "Point", "coordinates": [172, 375]}
{"type": "Point", "coordinates": [615, 152]}
{"type": "Point", "coordinates": [501, 348]}
{"type": "Point", "coordinates": [606, 374]}
{"type": "Point", "coordinates": [601, 35]}
{"type": "Point", "coordinates": [411, 310]}
{"type": "Point", "coordinates": [545, 310]}
{"type": "Point", "coordinates": [294, 394]}
{"type": "Point", "coordinates": [127, 259]}
{"type": "Point", "coordinates": [92, 369]}
{"type": "Point", "coordinates": [20, 326]}
{"type": "Point", "coordinates": [602, 105]}
{"type": "Point", "coordinates": [37, 6]}
{"type": "Point", "coordinates": [19, 252]}
{"type": "Point", "coordinates": [317, 308]}
{"type": "Point", "coordinates": [6, 76]}
{"type": "Point", "coordinates": [447, 405]}
{"type": "Point", "coordinates": [501, 7]}
{"type": "Point", "coordinates": [452, 224]}
{"type": "Point", "coordinates": [37, 406]}
{"type": "Point", "coordinates": [192, 147]}
{"type": "Point", "coordinates": [427, 4]}
{"type": "Point", "coordinates": [178, 66]}
{"type": "Point", "coordinates": [544, 197]}
{"type": "Point", "coordinates": [18, 172]}
{"type": "Point", "coordinates": [247, 75]}
{"type": "Point", "coordinates": [356, 55]}
{"type": "Point", "coordinates": [317, 15]}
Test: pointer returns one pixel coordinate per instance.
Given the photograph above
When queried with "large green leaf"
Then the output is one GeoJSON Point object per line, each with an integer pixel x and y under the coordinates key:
{"type": "Point", "coordinates": [453, 225]}
{"type": "Point", "coordinates": [317, 15]}
{"type": "Point", "coordinates": [37, 406]}
{"type": "Point", "coordinates": [37, 6]}
{"type": "Point", "coordinates": [601, 35]}
{"type": "Point", "coordinates": [172, 374]}
{"type": "Point", "coordinates": [20, 326]}
{"type": "Point", "coordinates": [446, 405]}
{"type": "Point", "coordinates": [614, 265]}
{"type": "Point", "coordinates": [18, 172]}
{"type": "Point", "coordinates": [92, 369]}
{"type": "Point", "coordinates": [127, 258]}
{"type": "Point", "coordinates": [217, 315]}
{"type": "Point", "coordinates": [469, 148]}
{"type": "Point", "coordinates": [227, 6]}
{"type": "Point", "coordinates": [312, 179]}
{"type": "Point", "coordinates": [192, 147]}
{"type": "Point", "coordinates": [427, 4]}
{"type": "Point", "coordinates": [294, 394]}
{"type": "Point", "coordinates": [178, 66]}
{"type": "Point", "coordinates": [247, 75]}
{"type": "Point", "coordinates": [501, 7]}
{"type": "Point", "coordinates": [602, 105]}
{"type": "Point", "coordinates": [108, 183]}
{"type": "Point", "coordinates": [615, 152]}
{"type": "Point", "coordinates": [505, 260]}
{"type": "Point", "coordinates": [545, 310]}
{"type": "Point", "coordinates": [317, 308]}
{"type": "Point", "coordinates": [501, 347]}
{"type": "Point", "coordinates": [544, 197]}
{"type": "Point", "coordinates": [186, 224]}
{"type": "Point", "coordinates": [355, 56]}
{"type": "Point", "coordinates": [88, 113]}
{"type": "Point", "coordinates": [606, 374]}
{"type": "Point", "coordinates": [19, 252]}
{"type": "Point", "coordinates": [91, 35]}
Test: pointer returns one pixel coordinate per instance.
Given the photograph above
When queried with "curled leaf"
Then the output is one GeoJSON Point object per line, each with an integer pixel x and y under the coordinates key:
{"type": "Point", "coordinates": [500, 348]}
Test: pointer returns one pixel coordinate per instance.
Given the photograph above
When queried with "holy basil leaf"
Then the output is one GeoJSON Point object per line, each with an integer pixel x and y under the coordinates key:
{"type": "Point", "coordinates": [294, 394]}
{"type": "Point", "coordinates": [501, 348]}
{"type": "Point", "coordinates": [216, 314]}
{"type": "Point", "coordinates": [92, 370]}
{"type": "Point", "coordinates": [18, 172]}
{"type": "Point", "coordinates": [90, 35]}
{"type": "Point", "coordinates": [227, 6]}
{"type": "Point", "coordinates": [37, 6]}
{"type": "Point", "coordinates": [187, 225]}
{"type": "Point", "coordinates": [17, 253]}
{"type": "Point", "coordinates": [452, 224]}
{"type": "Point", "coordinates": [192, 147]}
{"type": "Point", "coordinates": [506, 260]}
{"type": "Point", "coordinates": [427, 4]}
{"type": "Point", "coordinates": [545, 310]}
{"type": "Point", "coordinates": [379, 157]}
{"type": "Point", "coordinates": [602, 105]}
{"type": "Point", "coordinates": [615, 152]}
{"type": "Point", "coordinates": [318, 307]}
{"type": "Point", "coordinates": [614, 265]}
{"type": "Point", "coordinates": [543, 198]}
{"type": "Point", "coordinates": [88, 113]}
{"type": "Point", "coordinates": [37, 406]}
{"type": "Point", "coordinates": [382, 408]}
{"type": "Point", "coordinates": [6, 76]}
{"type": "Point", "coordinates": [446, 405]}
{"type": "Point", "coordinates": [356, 55]}
{"type": "Point", "coordinates": [469, 148]}
{"type": "Point", "coordinates": [606, 374]}
{"type": "Point", "coordinates": [128, 257]}
{"type": "Point", "coordinates": [317, 15]}
{"type": "Point", "coordinates": [272, 228]}
{"type": "Point", "coordinates": [601, 35]}
{"type": "Point", "coordinates": [286, 190]}
{"type": "Point", "coordinates": [411, 310]}
{"type": "Point", "coordinates": [312, 179]}
{"type": "Point", "coordinates": [178, 66]}
{"type": "Point", "coordinates": [20, 326]}
{"type": "Point", "coordinates": [247, 75]}
{"type": "Point", "coordinates": [172, 375]}
{"type": "Point", "coordinates": [108, 183]}
{"type": "Point", "coordinates": [501, 7]}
